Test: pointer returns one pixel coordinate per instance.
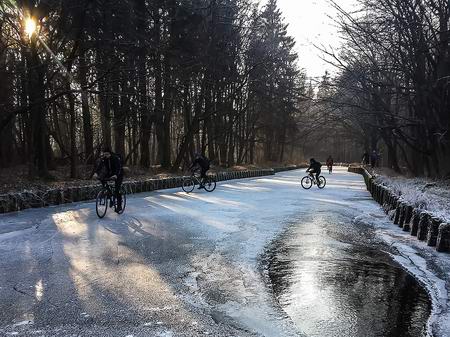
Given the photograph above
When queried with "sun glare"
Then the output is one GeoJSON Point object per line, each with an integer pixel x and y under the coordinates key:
{"type": "Point", "coordinates": [30, 27]}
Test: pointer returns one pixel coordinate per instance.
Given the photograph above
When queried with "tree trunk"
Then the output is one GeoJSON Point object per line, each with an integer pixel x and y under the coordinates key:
{"type": "Point", "coordinates": [7, 155]}
{"type": "Point", "coordinates": [38, 125]}
{"type": "Point", "coordinates": [86, 112]}
{"type": "Point", "coordinates": [144, 111]}
{"type": "Point", "coordinates": [103, 85]}
{"type": "Point", "coordinates": [73, 137]}
{"type": "Point", "coordinates": [119, 116]}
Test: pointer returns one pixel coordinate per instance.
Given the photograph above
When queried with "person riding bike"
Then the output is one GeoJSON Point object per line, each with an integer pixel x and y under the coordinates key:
{"type": "Point", "coordinates": [203, 163]}
{"type": "Point", "coordinates": [110, 168]}
{"type": "Point", "coordinates": [314, 168]}
{"type": "Point", "coordinates": [330, 163]}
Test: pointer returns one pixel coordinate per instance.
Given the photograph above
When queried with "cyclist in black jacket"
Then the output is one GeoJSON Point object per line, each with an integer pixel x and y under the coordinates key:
{"type": "Point", "coordinates": [204, 164]}
{"type": "Point", "coordinates": [110, 168]}
{"type": "Point", "coordinates": [314, 168]}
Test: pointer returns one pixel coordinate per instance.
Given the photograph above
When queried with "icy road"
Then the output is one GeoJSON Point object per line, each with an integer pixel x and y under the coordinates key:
{"type": "Point", "coordinates": [186, 265]}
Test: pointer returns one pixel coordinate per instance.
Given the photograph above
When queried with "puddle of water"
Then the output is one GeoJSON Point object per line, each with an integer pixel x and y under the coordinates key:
{"type": "Point", "coordinates": [332, 288]}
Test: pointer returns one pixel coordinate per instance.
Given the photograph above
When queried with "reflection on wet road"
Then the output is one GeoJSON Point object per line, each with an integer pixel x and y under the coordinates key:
{"type": "Point", "coordinates": [187, 265]}
{"type": "Point", "coordinates": [330, 280]}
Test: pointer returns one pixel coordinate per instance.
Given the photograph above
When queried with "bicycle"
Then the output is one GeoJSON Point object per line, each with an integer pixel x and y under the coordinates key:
{"type": "Point", "coordinates": [106, 198]}
{"type": "Point", "coordinates": [310, 180]}
{"type": "Point", "coordinates": [189, 183]}
{"type": "Point", "coordinates": [330, 169]}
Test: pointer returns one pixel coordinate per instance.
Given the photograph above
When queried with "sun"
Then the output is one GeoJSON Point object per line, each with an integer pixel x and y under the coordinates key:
{"type": "Point", "coordinates": [30, 26]}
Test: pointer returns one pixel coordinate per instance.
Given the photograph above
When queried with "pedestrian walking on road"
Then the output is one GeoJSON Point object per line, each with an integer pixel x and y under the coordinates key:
{"type": "Point", "coordinates": [365, 158]}
{"type": "Point", "coordinates": [374, 159]}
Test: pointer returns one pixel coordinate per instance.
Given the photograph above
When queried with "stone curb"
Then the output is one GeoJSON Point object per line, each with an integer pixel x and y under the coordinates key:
{"type": "Point", "coordinates": [418, 222]}
{"type": "Point", "coordinates": [14, 202]}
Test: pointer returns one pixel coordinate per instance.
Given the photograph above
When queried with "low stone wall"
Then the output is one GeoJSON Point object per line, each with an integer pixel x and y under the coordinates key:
{"type": "Point", "coordinates": [288, 168]}
{"type": "Point", "coordinates": [418, 222]}
{"type": "Point", "coordinates": [13, 202]}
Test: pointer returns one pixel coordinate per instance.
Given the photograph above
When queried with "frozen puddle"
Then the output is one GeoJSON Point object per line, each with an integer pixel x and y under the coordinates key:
{"type": "Point", "coordinates": [335, 288]}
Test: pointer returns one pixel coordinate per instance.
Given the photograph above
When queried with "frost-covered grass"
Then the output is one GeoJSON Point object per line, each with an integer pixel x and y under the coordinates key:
{"type": "Point", "coordinates": [427, 194]}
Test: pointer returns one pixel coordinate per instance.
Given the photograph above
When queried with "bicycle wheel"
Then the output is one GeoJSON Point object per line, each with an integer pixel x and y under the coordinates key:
{"type": "Point", "coordinates": [210, 184]}
{"type": "Point", "coordinates": [101, 203]}
{"type": "Point", "coordinates": [322, 182]}
{"type": "Point", "coordinates": [124, 201]}
{"type": "Point", "coordinates": [188, 185]}
{"type": "Point", "coordinates": [307, 182]}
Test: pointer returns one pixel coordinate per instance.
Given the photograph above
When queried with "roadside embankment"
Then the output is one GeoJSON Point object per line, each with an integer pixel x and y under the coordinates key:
{"type": "Point", "coordinates": [409, 210]}
{"type": "Point", "coordinates": [13, 202]}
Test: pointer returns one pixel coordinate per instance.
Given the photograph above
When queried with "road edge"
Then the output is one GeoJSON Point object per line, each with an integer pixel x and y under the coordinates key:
{"type": "Point", "coordinates": [418, 222]}
{"type": "Point", "coordinates": [14, 202]}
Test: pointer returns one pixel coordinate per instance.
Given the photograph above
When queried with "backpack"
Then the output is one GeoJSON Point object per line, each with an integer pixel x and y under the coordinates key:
{"type": "Point", "coordinates": [101, 169]}
{"type": "Point", "coordinates": [207, 162]}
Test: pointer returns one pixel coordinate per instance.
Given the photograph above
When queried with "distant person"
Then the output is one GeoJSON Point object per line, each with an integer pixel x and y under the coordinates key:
{"type": "Point", "coordinates": [110, 168]}
{"type": "Point", "coordinates": [330, 163]}
{"type": "Point", "coordinates": [374, 159]}
{"type": "Point", "coordinates": [203, 163]}
{"type": "Point", "coordinates": [314, 168]}
{"type": "Point", "coordinates": [366, 158]}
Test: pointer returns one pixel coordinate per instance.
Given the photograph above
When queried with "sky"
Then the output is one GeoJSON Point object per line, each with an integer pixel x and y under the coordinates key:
{"type": "Point", "coordinates": [309, 23]}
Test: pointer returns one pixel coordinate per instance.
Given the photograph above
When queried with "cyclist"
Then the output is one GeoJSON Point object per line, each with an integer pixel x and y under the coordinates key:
{"type": "Point", "coordinates": [314, 168]}
{"type": "Point", "coordinates": [110, 168]}
{"type": "Point", "coordinates": [330, 163]}
{"type": "Point", "coordinates": [203, 163]}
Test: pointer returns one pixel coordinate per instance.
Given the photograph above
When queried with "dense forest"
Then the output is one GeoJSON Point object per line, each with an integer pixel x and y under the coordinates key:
{"type": "Point", "coordinates": [159, 80]}
{"type": "Point", "coordinates": [392, 89]}
{"type": "Point", "coordinates": [156, 80]}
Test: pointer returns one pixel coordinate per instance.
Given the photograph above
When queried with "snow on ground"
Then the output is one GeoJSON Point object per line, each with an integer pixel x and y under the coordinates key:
{"type": "Point", "coordinates": [178, 264]}
{"type": "Point", "coordinates": [427, 194]}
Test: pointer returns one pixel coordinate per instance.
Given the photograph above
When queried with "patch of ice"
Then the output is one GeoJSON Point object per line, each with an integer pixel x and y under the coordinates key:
{"type": "Point", "coordinates": [158, 309]}
{"type": "Point", "coordinates": [165, 334]}
{"type": "Point", "coordinates": [414, 257]}
{"type": "Point", "coordinates": [22, 323]}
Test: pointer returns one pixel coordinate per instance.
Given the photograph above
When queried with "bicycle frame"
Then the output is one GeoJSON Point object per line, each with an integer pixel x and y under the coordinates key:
{"type": "Point", "coordinates": [198, 179]}
{"type": "Point", "coordinates": [313, 177]}
{"type": "Point", "coordinates": [106, 198]}
{"type": "Point", "coordinates": [111, 190]}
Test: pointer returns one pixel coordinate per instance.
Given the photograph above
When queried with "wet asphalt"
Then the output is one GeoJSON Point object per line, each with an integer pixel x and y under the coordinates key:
{"type": "Point", "coordinates": [172, 265]}
{"type": "Point", "coordinates": [335, 279]}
